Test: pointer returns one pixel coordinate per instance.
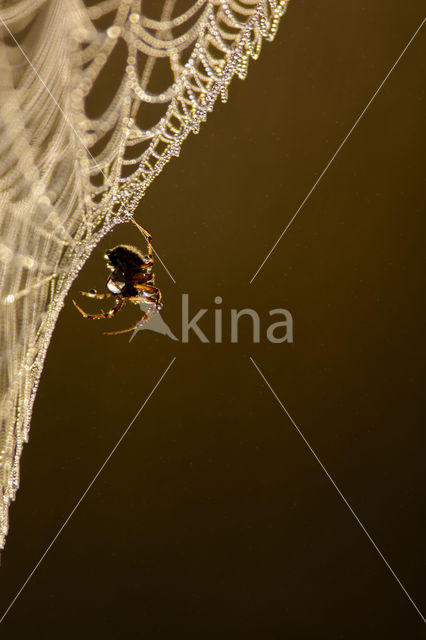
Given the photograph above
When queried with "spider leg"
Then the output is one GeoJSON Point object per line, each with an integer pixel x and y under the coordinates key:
{"type": "Point", "coordinates": [153, 291]}
{"type": "Point", "coordinates": [109, 314]}
{"type": "Point", "coordinates": [98, 296]}
{"type": "Point", "coordinates": [147, 237]}
{"type": "Point", "coordinates": [144, 318]}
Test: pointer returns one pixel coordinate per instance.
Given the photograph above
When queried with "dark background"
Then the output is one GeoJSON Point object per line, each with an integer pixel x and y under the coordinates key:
{"type": "Point", "coordinates": [213, 519]}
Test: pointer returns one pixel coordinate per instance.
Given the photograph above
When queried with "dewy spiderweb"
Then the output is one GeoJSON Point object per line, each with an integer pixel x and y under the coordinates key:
{"type": "Point", "coordinates": [71, 169]}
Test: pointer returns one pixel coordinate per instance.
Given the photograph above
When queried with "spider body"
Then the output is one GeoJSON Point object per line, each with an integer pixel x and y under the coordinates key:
{"type": "Point", "coordinates": [131, 279]}
{"type": "Point", "coordinates": [129, 267]}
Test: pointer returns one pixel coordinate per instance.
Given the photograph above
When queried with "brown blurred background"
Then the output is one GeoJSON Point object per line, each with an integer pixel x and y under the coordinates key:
{"type": "Point", "coordinates": [213, 519]}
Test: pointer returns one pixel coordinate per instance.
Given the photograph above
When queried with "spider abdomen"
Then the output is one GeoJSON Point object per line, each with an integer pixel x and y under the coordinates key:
{"type": "Point", "coordinates": [127, 259]}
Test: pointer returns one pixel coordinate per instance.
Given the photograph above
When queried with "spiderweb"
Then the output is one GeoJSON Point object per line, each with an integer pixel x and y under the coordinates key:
{"type": "Point", "coordinates": [71, 168]}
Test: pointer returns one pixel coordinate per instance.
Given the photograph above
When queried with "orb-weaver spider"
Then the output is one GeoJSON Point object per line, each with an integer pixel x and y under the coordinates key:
{"type": "Point", "coordinates": [131, 280]}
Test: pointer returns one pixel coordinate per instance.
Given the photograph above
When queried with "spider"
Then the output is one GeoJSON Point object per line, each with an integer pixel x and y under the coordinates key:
{"type": "Point", "coordinates": [131, 280]}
